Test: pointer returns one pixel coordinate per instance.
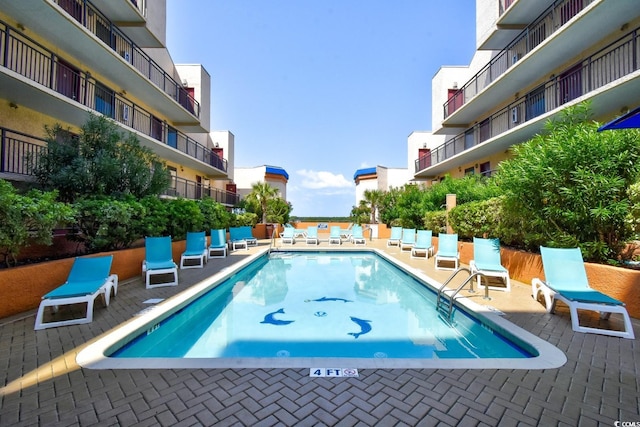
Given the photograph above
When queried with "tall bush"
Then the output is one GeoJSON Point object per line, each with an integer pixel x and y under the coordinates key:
{"type": "Point", "coordinates": [28, 219]}
{"type": "Point", "coordinates": [100, 161]}
{"type": "Point", "coordinates": [106, 224]}
{"type": "Point", "coordinates": [569, 184]}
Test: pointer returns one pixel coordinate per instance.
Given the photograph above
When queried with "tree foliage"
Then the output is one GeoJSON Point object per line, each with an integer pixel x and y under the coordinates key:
{"type": "Point", "coordinates": [569, 184]}
{"type": "Point", "coordinates": [100, 161]}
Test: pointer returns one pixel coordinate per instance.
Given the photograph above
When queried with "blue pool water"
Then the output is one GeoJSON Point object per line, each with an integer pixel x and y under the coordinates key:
{"type": "Point", "coordinates": [325, 304]}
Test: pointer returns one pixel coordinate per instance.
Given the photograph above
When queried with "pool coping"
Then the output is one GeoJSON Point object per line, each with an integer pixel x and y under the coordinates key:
{"type": "Point", "coordinates": [94, 355]}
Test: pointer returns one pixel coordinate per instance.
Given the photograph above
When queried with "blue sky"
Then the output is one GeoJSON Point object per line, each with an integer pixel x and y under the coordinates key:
{"type": "Point", "coordinates": [321, 88]}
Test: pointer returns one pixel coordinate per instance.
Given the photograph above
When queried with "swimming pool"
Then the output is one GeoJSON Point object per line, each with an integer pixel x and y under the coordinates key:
{"type": "Point", "coordinates": [304, 309]}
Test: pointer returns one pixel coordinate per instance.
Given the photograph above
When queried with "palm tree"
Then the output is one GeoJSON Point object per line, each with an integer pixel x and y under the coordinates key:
{"type": "Point", "coordinates": [262, 193]}
{"type": "Point", "coordinates": [373, 199]}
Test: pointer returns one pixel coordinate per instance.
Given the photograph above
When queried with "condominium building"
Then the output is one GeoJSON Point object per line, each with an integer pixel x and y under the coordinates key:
{"type": "Point", "coordinates": [62, 60]}
{"type": "Point", "coordinates": [533, 59]}
{"type": "Point", "coordinates": [275, 176]}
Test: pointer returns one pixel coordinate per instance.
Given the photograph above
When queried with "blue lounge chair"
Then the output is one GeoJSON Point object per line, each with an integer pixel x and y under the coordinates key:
{"type": "Point", "coordinates": [346, 233]}
{"type": "Point", "coordinates": [287, 236]}
{"type": "Point", "coordinates": [159, 260]}
{"type": "Point", "coordinates": [218, 244]}
{"type": "Point", "coordinates": [447, 251]}
{"type": "Point", "coordinates": [88, 278]}
{"type": "Point", "coordinates": [196, 249]}
{"type": "Point", "coordinates": [312, 235]}
{"type": "Point", "coordinates": [247, 235]}
{"type": "Point", "coordinates": [566, 280]}
{"type": "Point", "coordinates": [357, 236]}
{"type": "Point", "coordinates": [236, 238]}
{"type": "Point", "coordinates": [486, 261]}
{"type": "Point", "coordinates": [424, 244]}
{"type": "Point", "coordinates": [396, 236]}
{"type": "Point", "coordinates": [334, 235]}
{"type": "Point", "coordinates": [408, 238]}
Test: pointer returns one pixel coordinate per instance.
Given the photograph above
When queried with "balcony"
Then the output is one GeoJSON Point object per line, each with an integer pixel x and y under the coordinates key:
{"type": "Point", "coordinates": [88, 36]}
{"type": "Point", "coordinates": [17, 148]}
{"type": "Point", "coordinates": [542, 47]}
{"type": "Point", "coordinates": [610, 79]}
{"type": "Point", "coordinates": [131, 18]}
{"type": "Point", "coordinates": [514, 16]}
{"type": "Point", "coordinates": [187, 189]}
{"type": "Point", "coordinates": [36, 78]}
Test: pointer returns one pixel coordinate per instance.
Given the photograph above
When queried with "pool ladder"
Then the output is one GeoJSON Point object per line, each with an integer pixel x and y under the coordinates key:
{"type": "Point", "coordinates": [273, 239]}
{"type": "Point", "coordinates": [446, 297]}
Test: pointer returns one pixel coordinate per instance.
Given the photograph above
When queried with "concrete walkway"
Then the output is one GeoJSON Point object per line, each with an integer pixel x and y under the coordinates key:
{"type": "Point", "coordinates": [43, 385]}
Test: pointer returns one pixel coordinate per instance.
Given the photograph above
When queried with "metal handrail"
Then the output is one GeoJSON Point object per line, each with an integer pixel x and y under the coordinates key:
{"type": "Point", "coordinates": [445, 300]}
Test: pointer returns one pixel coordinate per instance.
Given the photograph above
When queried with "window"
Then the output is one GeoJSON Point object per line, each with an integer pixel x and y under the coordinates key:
{"type": "Point", "coordinates": [104, 100]}
{"type": "Point", "coordinates": [468, 139]}
{"type": "Point", "coordinates": [485, 130]}
{"type": "Point", "coordinates": [156, 128]}
{"type": "Point", "coordinates": [485, 169]}
{"type": "Point", "coordinates": [455, 98]}
{"type": "Point", "coordinates": [172, 137]}
{"type": "Point", "coordinates": [469, 171]}
{"type": "Point", "coordinates": [535, 103]}
{"type": "Point", "coordinates": [570, 84]}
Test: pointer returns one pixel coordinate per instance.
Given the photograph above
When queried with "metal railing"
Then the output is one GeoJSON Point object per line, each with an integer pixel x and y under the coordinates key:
{"type": "Point", "coordinates": [611, 63]}
{"type": "Point", "coordinates": [26, 57]}
{"type": "Point", "coordinates": [16, 148]}
{"type": "Point", "coordinates": [19, 151]}
{"type": "Point", "coordinates": [550, 21]}
{"type": "Point", "coordinates": [193, 190]}
{"type": "Point", "coordinates": [92, 19]}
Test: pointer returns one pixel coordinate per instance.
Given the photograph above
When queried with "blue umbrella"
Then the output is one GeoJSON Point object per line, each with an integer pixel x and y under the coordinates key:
{"type": "Point", "coordinates": [631, 120]}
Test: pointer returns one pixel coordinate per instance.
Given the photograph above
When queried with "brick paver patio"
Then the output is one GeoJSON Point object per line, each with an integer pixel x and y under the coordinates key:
{"type": "Point", "coordinates": [43, 385]}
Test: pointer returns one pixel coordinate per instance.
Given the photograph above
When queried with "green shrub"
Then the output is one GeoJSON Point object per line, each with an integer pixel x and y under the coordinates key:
{"type": "Point", "coordinates": [183, 215]}
{"type": "Point", "coordinates": [436, 221]}
{"type": "Point", "coordinates": [28, 219]}
{"type": "Point", "coordinates": [569, 185]}
{"type": "Point", "coordinates": [215, 214]}
{"type": "Point", "coordinates": [106, 224]}
{"type": "Point", "coordinates": [477, 219]}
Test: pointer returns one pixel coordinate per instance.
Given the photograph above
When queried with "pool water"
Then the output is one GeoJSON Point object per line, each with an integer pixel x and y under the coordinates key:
{"type": "Point", "coordinates": [320, 304]}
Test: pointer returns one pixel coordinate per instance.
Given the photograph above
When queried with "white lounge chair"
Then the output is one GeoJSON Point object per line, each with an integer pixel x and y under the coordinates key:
{"type": "Point", "coordinates": [408, 238]}
{"type": "Point", "coordinates": [486, 260]}
{"type": "Point", "coordinates": [312, 235]}
{"type": "Point", "coordinates": [159, 261]}
{"type": "Point", "coordinates": [237, 238]}
{"type": "Point", "coordinates": [566, 280]}
{"type": "Point", "coordinates": [218, 244]}
{"type": "Point", "coordinates": [334, 235]}
{"type": "Point", "coordinates": [447, 251]}
{"type": "Point", "coordinates": [424, 244]}
{"type": "Point", "coordinates": [396, 236]}
{"type": "Point", "coordinates": [357, 236]}
{"type": "Point", "coordinates": [287, 236]}
{"type": "Point", "coordinates": [89, 277]}
{"type": "Point", "coordinates": [196, 250]}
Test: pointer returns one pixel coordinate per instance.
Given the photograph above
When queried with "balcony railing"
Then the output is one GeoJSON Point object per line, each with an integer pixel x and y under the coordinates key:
{"type": "Point", "coordinates": [18, 150]}
{"type": "Point", "coordinates": [92, 19]}
{"type": "Point", "coordinates": [15, 150]}
{"type": "Point", "coordinates": [613, 62]}
{"type": "Point", "coordinates": [24, 56]}
{"type": "Point", "coordinates": [187, 189]}
{"type": "Point", "coordinates": [547, 24]}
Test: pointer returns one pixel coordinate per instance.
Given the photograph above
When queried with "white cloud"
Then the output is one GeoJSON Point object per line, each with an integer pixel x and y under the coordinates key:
{"type": "Point", "coordinates": [323, 180]}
